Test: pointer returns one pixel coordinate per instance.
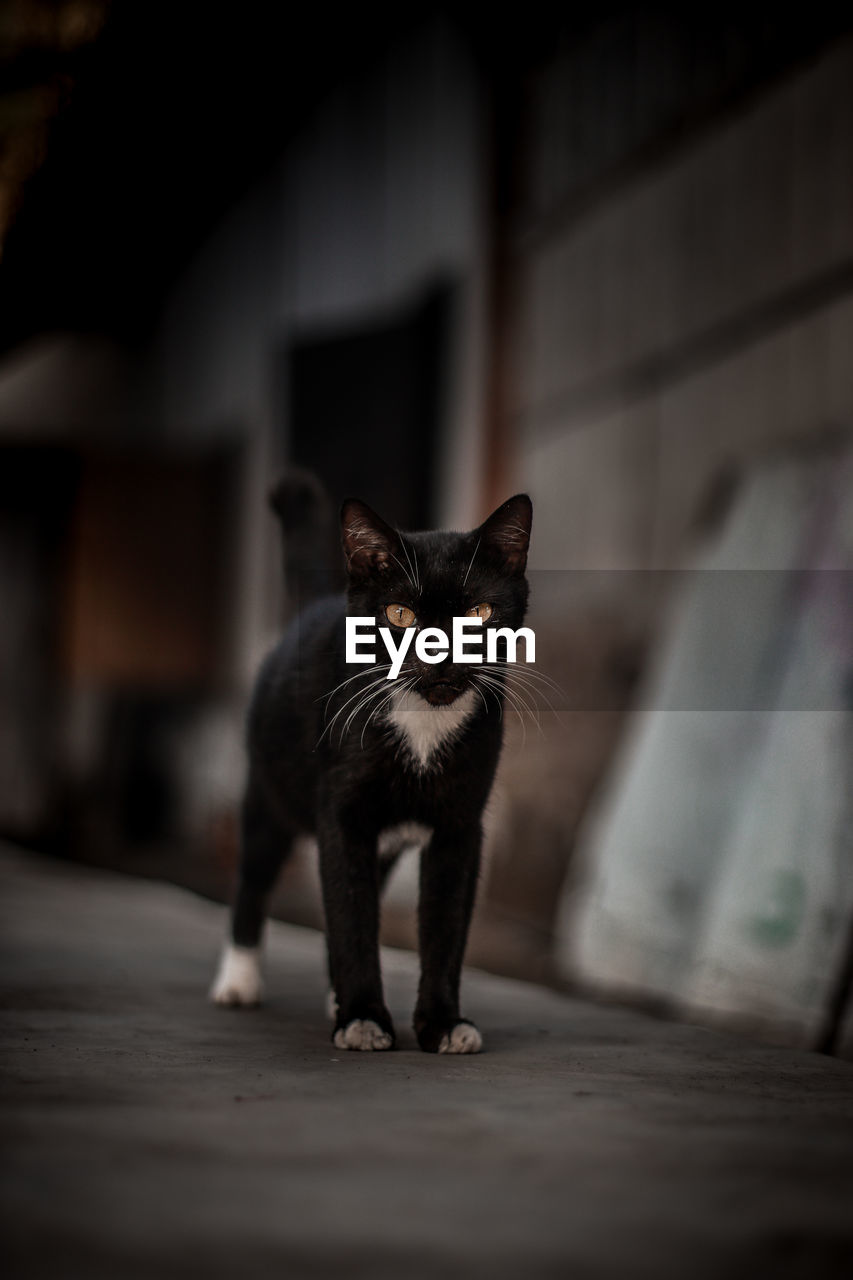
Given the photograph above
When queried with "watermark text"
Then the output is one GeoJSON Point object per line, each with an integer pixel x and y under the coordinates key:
{"type": "Point", "coordinates": [432, 645]}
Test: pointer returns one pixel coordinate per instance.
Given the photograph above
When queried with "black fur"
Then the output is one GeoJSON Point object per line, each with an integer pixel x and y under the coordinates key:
{"type": "Point", "coordinates": [316, 767]}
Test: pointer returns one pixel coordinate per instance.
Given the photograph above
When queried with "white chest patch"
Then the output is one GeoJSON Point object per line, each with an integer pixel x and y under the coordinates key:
{"type": "Point", "coordinates": [424, 728]}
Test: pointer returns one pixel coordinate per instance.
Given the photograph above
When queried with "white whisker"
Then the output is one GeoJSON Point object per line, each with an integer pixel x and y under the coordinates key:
{"type": "Point", "coordinates": [415, 583]}
{"type": "Point", "coordinates": [370, 695]}
{"type": "Point", "coordinates": [516, 699]}
{"type": "Point", "coordinates": [405, 571]}
{"type": "Point", "coordinates": [533, 711]}
{"type": "Point", "coordinates": [533, 680]}
{"type": "Point", "coordinates": [512, 702]}
{"type": "Point", "coordinates": [482, 697]}
{"type": "Point", "coordinates": [406, 686]}
{"type": "Point", "coordinates": [471, 565]}
{"type": "Point", "coordinates": [382, 666]}
{"type": "Point", "coordinates": [374, 682]}
{"type": "Point", "coordinates": [490, 686]}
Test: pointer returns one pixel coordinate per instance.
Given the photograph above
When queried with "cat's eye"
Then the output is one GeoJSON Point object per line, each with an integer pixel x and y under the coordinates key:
{"type": "Point", "coordinates": [483, 611]}
{"type": "Point", "coordinates": [398, 615]}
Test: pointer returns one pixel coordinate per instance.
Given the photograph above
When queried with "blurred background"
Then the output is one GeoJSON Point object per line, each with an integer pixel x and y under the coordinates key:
{"type": "Point", "coordinates": [602, 253]}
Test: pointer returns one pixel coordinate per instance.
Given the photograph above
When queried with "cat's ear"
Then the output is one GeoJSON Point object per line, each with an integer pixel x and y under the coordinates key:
{"type": "Point", "coordinates": [369, 543]}
{"type": "Point", "coordinates": [507, 532]}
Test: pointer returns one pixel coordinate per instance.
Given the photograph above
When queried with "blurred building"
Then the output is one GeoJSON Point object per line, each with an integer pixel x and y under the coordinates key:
{"type": "Point", "coordinates": [606, 257]}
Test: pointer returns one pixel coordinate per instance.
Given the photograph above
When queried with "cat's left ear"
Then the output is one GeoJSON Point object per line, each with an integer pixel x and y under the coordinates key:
{"type": "Point", "coordinates": [507, 531]}
{"type": "Point", "coordinates": [369, 543]}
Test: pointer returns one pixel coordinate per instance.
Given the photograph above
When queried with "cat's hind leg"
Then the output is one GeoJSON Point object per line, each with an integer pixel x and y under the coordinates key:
{"type": "Point", "coordinates": [265, 847]}
{"type": "Point", "coordinates": [238, 981]}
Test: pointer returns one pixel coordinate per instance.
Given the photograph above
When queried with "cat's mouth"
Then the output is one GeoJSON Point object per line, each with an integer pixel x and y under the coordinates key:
{"type": "Point", "coordinates": [442, 693]}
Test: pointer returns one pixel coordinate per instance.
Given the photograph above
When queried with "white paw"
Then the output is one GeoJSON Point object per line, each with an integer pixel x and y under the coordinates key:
{"type": "Point", "coordinates": [464, 1038]}
{"type": "Point", "coordinates": [238, 978]}
{"type": "Point", "coordinates": [362, 1034]}
{"type": "Point", "coordinates": [331, 1005]}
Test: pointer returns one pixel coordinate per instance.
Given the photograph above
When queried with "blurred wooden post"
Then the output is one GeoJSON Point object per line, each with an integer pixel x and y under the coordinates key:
{"type": "Point", "coordinates": [504, 128]}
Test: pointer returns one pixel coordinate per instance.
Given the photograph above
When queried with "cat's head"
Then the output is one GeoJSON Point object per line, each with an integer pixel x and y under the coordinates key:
{"type": "Point", "coordinates": [423, 580]}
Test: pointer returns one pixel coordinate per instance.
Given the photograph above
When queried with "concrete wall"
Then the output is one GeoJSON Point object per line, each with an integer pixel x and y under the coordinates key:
{"type": "Point", "coordinates": [687, 304]}
{"type": "Point", "coordinates": [696, 311]}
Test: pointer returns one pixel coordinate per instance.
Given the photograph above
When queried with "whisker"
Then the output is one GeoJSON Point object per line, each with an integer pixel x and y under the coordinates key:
{"type": "Point", "coordinates": [376, 710]}
{"type": "Point", "coordinates": [377, 680]}
{"type": "Point", "coordinates": [482, 697]}
{"type": "Point", "coordinates": [488, 687]}
{"type": "Point", "coordinates": [535, 689]}
{"type": "Point", "coordinates": [530, 708]}
{"type": "Point", "coordinates": [382, 666]}
{"type": "Point", "coordinates": [515, 708]}
{"type": "Point", "coordinates": [542, 678]}
{"type": "Point", "coordinates": [416, 584]}
{"type": "Point", "coordinates": [370, 696]}
{"type": "Point", "coordinates": [522, 708]}
{"type": "Point", "coordinates": [499, 687]}
{"type": "Point", "coordinates": [471, 565]}
{"type": "Point", "coordinates": [527, 679]}
{"type": "Point", "coordinates": [405, 571]}
{"type": "Point", "coordinates": [508, 675]}
{"type": "Point", "coordinates": [517, 701]}
{"type": "Point", "coordinates": [535, 673]}
{"type": "Point", "coordinates": [373, 696]}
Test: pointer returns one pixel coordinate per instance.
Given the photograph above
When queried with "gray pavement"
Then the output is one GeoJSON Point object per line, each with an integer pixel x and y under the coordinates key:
{"type": "Point", "coordinates": [149, 1134]}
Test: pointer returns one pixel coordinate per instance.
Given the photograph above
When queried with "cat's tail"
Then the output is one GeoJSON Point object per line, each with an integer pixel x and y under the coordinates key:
{"type": "Point", "coordinates": [310, 541]}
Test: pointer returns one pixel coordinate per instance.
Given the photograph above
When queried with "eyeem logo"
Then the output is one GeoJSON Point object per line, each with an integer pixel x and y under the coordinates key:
{"type": "Point", "coordinates": [432, 644]}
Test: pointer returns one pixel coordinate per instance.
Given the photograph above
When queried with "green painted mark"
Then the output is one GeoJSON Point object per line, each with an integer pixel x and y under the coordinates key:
{"type": "Point", "coordinates": [780, 921]}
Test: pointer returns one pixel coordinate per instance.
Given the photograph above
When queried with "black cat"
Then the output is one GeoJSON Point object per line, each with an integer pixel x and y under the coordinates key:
{"type": "Point", "coordinates": [371, 766]}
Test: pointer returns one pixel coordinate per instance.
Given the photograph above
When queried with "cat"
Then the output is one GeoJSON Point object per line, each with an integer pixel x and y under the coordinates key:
{"type": "Point", "coordinates": [370, 766]}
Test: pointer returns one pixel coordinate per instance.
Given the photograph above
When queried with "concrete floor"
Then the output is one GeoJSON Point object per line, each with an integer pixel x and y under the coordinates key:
{"type": "Point", "coordinates": [148, 1134]}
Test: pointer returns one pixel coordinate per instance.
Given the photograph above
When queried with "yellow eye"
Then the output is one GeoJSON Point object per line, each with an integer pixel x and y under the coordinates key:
{"type": "Point", "coordinates": [398, 615]}
{"type": "Point", "coordinates": [483, 611]}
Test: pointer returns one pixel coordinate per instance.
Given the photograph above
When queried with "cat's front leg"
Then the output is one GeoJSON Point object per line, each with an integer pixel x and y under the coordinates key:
{"type": "Point", "coordinates": [448, 884]}
{"type": "Point", "coordinates": [349, 874]}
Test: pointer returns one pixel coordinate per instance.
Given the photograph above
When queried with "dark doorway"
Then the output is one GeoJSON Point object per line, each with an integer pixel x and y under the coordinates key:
{"type": "Point", "coordinates": [366, 407]}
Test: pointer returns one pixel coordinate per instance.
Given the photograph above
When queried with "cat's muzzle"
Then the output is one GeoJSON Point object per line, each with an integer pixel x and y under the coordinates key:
{"type": "Point", "coordinates": [442, 692]}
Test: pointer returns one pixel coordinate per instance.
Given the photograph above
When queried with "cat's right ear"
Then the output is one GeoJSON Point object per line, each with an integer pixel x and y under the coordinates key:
{"type": "Point", "coordinates": [507, 532]}
{"type": "Point", "coordinates": [369, 543]}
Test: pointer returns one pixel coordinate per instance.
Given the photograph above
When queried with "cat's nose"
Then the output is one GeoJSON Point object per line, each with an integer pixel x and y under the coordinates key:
{"type": "Point", "coordinates": [441, 683]}
{"type": "Point", "coordinates": [442, 693]}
